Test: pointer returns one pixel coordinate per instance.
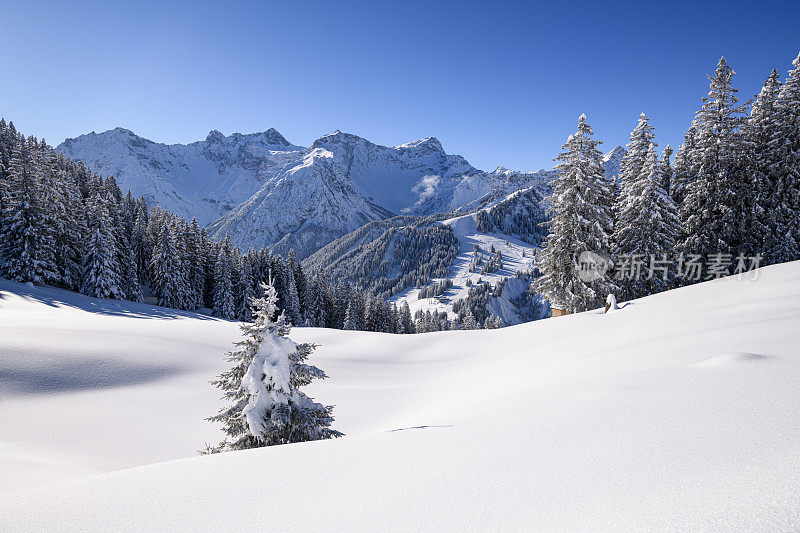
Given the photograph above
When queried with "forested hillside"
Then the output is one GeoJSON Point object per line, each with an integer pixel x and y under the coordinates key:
{"type": "Point", "coordinates": [62, 224]}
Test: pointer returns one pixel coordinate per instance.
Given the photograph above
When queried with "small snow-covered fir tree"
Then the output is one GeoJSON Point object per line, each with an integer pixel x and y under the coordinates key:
{"type": "Point", "coordinates": [266, 406]}
{"type": "Point", "coordinates": [581, 210]}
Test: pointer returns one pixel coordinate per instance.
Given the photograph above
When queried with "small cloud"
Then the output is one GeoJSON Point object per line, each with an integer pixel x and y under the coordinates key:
{"type": "Point", "coordinates": [425, 188]}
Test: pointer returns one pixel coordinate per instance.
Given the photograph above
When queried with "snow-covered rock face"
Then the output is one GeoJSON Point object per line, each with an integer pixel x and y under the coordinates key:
{"type": "Point", "coordinates": [612, 160]}
{"type": "Point", "coordinates": [264, 191]}
{"type": "Point", "coordinates": [204, 179]}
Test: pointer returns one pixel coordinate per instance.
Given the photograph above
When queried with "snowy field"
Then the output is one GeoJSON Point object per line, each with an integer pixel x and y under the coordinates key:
{"type": "Point", "coordinates": [678, 411]}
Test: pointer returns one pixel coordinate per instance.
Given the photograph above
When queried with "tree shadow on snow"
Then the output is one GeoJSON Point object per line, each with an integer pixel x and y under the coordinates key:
{"type": "Point", "coordinates": [65, 376]}
{"type": "Point", "coordinates": [63, 298]}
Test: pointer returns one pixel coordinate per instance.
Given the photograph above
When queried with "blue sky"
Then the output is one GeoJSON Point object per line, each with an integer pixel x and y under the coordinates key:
{"type": "Point", "coordinates": [497, 82]}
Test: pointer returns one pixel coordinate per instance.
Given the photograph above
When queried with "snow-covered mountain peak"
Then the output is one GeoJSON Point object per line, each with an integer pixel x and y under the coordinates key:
{"type": "Point", "coordinates": [428, 143]}
{"type": "Point", "coordinates": [615, 153]}
{"type": "Point", "coordinates": [339, 137]}
{"type": "Point", "coordinates": [270, 139]}
{"type": "Point", "coordinates": [123, 131]}
{"type": "Point", "coordinates": [215, 136]}
{"type": "Point", "coordinates": [612, 160]}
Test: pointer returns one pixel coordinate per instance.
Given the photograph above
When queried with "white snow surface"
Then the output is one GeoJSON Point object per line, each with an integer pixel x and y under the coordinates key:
{"type": "Point", "coordinates": [678, 411]}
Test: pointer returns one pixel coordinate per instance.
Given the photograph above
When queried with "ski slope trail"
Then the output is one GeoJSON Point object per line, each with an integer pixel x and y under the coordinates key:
{"type": "Point", "coordinates": [678, 411]}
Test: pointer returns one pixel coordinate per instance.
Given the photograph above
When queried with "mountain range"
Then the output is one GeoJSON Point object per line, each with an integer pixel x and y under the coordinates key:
{"type": "Point", "coordinates": [263, 190]}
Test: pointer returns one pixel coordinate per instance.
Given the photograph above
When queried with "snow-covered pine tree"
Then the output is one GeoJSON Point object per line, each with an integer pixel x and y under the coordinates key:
{"type": "Point", "coordinates": [406, 322]}
{"type": "Point", "coordinates": [292, 298]}
{"type": "Point", "coordinates": [685, 166]}
{"type": "Point", "coordinates": [3, 206]}
{"type": "Point", "coordinates": [356, 309]}
{"type": "Point", "coordinates": [315, 310]}
{"type": "Point", "coordinates": [340, 302]}
{"type": "Point", "coordinates": [372, 313]}
{"type": "Point", "coordinates": [762, 224]}
{"type": "Point", "coordinates": [666, 170]}
{"type": "Point", "coordinates": [133, 289]}
{"type": "Point", "coordinates": [713, 209]}
{"type": "Point", "coordinates": [300, 282]}
{"type": "Point", "coordinates": [266, 406]}
{"type": "Point", "coordinates": [352, 322]}
{"type": "Point", "coordinates": [71, 238]}
{"type": "Point", "coordinates": [101, 277]}
{"type": "Point", "coordinates": [580, 206]}
{"type": "Point", "coordinates": [142, 247]}
{"type": "Point", "coordinates": [210, 252]}
{"type": "Point", "coordinates": [128, 265]}
{"type": "Point", "coordinates": [196, 268]}
{"type": "Point", "coordinates": [630, 168]}
{"type": "Point", "coordinates": [493, 322]}
{"type": "Point", "coordinates": [24, 239]}
{"type": "Point", "coordinates": [169, 281]}
{"type": "Point", "coordinates": [244, 288]}
{"type": "Point", "coordinates": [785, 171]}
{"type": "Point", "coordinates": [468, 320]}
{"type": "Point", "coordinates": [649, 228]}
{"type": "Point", "coordinates": [224, 306]}
{"type": "Point", "coordinates": [52, 208]}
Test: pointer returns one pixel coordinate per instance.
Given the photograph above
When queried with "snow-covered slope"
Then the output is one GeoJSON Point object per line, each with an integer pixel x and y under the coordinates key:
{"type": "Point", "coordinates": [517, 248]}
{"type": "Point", "coordinates": [517, 257]}
{"type": "Point", "coordinates": [442, 249]}
{"type": "Point", "coordinates": [264, 191]}
{"type": "Point", "coordinates": [678, 411]}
